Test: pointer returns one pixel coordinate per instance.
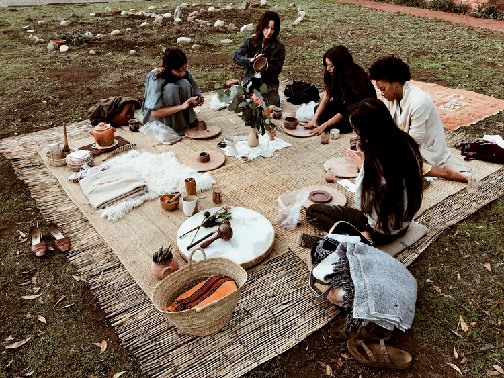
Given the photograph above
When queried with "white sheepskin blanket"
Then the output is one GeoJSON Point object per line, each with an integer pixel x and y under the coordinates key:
{"type": "Point", "coordinates": [162, 173]}
{"type": "Point", "coordinates": [244, 149]}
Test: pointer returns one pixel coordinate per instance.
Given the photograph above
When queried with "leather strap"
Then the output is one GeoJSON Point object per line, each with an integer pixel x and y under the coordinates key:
{"type": "Point", "coordinates": [384, 351]}
{"type": "Point", "coordinates": [367, 350]}
{"type": "Point", "coordinates": [63, 245]}
{"type": "Point", "coordinates": [39, 249]}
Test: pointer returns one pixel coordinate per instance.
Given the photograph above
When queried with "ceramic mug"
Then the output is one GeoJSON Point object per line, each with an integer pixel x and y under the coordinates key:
{"type": "Point", "coordinates": [55, 150]}
{"type": "Point", "coordinates": [335, 133]}
{"type": "Point", "coordinates": [190, 186]}
{"type": "Point", "coordinates": [190, 205]}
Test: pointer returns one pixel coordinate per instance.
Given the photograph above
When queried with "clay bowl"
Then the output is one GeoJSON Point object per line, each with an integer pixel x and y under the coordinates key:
{"type": "Point", "coordinates": [201, 126]}
{"type": "Point", "coordinates": [169, 206]}
{"type": "Point", "coordinates": [59, 42]}
{"type": "Point", "coordinates": [255, 5]}
{"type": "Point", "coordinates": [320, 196]}
{"type": "Point", "coordinates": [203, 157]}
{"type": "Point", "coordinates": [260, 64]}
{"type": "Point", "coordinates": [290, 123]}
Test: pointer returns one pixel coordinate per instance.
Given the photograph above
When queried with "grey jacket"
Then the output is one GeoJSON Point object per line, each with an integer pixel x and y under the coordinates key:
{"type": "Point", "coordinates": [275, 53]}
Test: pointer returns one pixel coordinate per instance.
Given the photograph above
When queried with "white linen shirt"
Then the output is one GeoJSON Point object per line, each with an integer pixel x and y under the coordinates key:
{"type": "Point", "coordinates": [417, 114]}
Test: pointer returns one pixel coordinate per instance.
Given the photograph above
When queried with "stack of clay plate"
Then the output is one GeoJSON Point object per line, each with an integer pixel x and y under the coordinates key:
{"type": "Point", "coordinates": [77, 159]}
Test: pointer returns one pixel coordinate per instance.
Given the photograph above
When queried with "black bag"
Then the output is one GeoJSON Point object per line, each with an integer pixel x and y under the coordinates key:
{"type": "Point", "coordinates": [300, 92]}
{"type": "Point", "coordinates": [482, 150]}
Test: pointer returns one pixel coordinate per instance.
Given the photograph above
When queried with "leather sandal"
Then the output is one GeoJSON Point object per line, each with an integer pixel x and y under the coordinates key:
{"type": "Point", "coordinates": [38, 247]}
{"type": "Point", "coordinates": [379, 355]}
{"type": "Point", "coordinates": [61, 243]}
{"type": "Point", "coordinates": [371, 331]}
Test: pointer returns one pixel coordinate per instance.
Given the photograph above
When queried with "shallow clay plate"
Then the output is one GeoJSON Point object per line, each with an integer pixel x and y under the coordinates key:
{"type": "Point", "coordinates": [217, 158]}
{"type": "Point", "coordinates": [341, 167]}
{"type": "Point", "coordinates": [299, 131]}
{"type": "Point", "coordinates": [209, 132]}
{"type": "Point", "coordinates": [320, 196]}
{"type": "Point", "coordinates": [338, 198]}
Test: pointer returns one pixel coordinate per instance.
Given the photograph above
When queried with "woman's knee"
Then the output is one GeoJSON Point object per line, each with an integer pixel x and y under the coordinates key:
{"type": "Point", "coordinates": [171, 95]}
{"type": "Point", "coordinates": [185, 88]}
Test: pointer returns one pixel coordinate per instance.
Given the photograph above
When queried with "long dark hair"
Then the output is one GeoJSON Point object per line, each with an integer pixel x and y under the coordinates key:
{"type": "Point", "coordinates": [263, 23]}
{"type": "Point", "coordinates": [392, 165]}
{"type": "Point", "coordinates": [173, 59]}
{"type": "Point", "coordinates": [348, 81]}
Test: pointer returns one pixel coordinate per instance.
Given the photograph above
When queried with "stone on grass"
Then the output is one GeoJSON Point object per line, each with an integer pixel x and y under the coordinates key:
{"type": "Point", "coordinates": [263, 3]}
{"type": "Point", "coordinates": [231, 27]}
{"type": "Point", "coordinates": [51, 46]}
{"type": "Point", "coordinates": [226, 41]}
{"type": "Point", "coordinates": [92, 14]}
{"type": "Point", "coordinates": [248, 27]}
{"type": "Point", "coordinates": [30, 31]}
{"type": "Point", "coordinates": [92, 52]}
{"type": "Point", "coordinates": [38, 40]}
{"type": "Point", "coordinates": [196, 47]}
{"type": "Point", "coordinates": [167, 15]}
{"type": "Point", "coordinates": [183, 5]}
{"type": "Point", "coordinates": [88, 34]}
{"type": "Point", "coordinates": [212, 9]}
{"type": "Point", "coordinates": [108, 10]}
{"type": "Point", "coordinates": [145, 23]}
{"type": "Point", "coordinates": [178, 13]}
{"type": "Point", "coordinates": [128, 29]}
{"type": "Point", "coordinates": [158, 19]}
{"type": "Point", "coordinates": [244, 5]}
{"type": "Point", "coordinates": [64, 48]}
{"type": "Point", "coordinates": [133, 52]}
{"type": "Point", "coordinates": [184, 40]}
{"type": "Point", "coordinates": [218, 24]}
{"type": "Point", "coordinates": [115, 32]}
{"type": "Point", "coordinates": [41, 22]}
{"type": "Point", "coordinates": [202, 10]}
{"type": "Point", "coordinates": [190, 19]}
{"type": "Point", "coordinates": [152, 7]}
{"type": "Point", "coordinates": [125, 13]}
{"type": "Point", "coordinates": [65, 22]}
{"type": "Point", "coordinates": [100, 36]}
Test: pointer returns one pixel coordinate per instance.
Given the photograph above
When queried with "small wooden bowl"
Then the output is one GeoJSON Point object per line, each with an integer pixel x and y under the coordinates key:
{"type": "Point", "coordinates": [169, 206]}
{"type": "Point", "coordinates": [290, 123]}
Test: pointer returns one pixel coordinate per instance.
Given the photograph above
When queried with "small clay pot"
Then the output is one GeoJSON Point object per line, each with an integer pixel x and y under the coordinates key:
{"type": "Point", "coordinates": [290, 123]}
{"type": "Point", "coordinates": [201, 125]}
{"type": "Point", "coordinates": [134, 125]}
{"type": "Point", "coordinates": [255, 5]}
{"type": "Point", "coordinates": [160, 271]}
{"type": "Point", "coordinates": [203, 157]}
{"type": "Point", "coordinates": [261, 64]}
{"type": "Point", "coordinates": [165, 202]}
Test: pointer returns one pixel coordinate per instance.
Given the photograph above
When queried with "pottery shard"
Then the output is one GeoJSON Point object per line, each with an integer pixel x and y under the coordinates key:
{"type": "Point", "coordinates": [115, 32]}
{"type": "Point", "coordinates": [184, 40]}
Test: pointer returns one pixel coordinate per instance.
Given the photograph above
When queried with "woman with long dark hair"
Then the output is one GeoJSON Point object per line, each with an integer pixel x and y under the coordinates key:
{"type": "Point", "coordinates": [171, 93]}
{"type": "Point", "coordinates": [345, 83]}
{"type": "Point", "coordinates": [415, 112]}
{"type": "Point", "coordinates": [263, 44]}
{"type": "Point", "coordinates": [389, 184]}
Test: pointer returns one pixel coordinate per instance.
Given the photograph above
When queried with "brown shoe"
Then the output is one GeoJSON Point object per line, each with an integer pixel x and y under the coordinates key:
{"type": "Point", "coordinates": [37, 246]}
{"type": "Point", "coordinates": [379, 355]}
{"type": "Point", "coordinates": [61, 242]}
{"type": "Point", "coordinates": [371, 331]}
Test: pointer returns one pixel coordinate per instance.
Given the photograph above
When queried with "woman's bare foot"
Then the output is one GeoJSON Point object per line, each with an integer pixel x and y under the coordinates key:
{"type": "Point", "coordinates": [448, 173]}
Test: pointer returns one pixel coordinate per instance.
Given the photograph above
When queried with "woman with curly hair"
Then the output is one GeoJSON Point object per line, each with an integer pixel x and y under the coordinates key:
{"type": "Point", "coordinates": [263, 44]}
{"type": "Point", "coordinates": [414, 112]}
{"type": "Point", "coordinates": [391, 170]}
{"type": "Point", "coordinates": [346, 83]}
{"type": "Point", "coordinates": [171, 93]}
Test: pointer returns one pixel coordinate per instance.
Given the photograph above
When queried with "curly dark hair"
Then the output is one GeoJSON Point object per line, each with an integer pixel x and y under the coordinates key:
{"type": "Point", "coordinates": [390, 69]}
{"type": "Point", "coordinates": [263, 23]}
{"type": "Point", "coordinates": [392, 165]}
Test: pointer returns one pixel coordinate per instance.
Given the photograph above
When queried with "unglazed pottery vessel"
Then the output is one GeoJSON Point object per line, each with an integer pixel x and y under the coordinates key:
{"type": "Point", "coordinates": [160, 271]}
{"type": "Point", "coordinates": [103, 134]}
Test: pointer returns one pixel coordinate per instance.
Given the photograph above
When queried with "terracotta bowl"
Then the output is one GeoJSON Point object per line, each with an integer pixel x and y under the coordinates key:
{"type": "Point", "coordinates": [59, 42]}
{"type": "Point", "coordinates": [169, 206]}
{"type": "Point", "coordinates": [255, 5]}
{"type": "Point", "coordinates": [203, 157]}
{"type": "Point", "coordinates": [290, 123]}
{"type": "Point", "coordinates": [260, 64]}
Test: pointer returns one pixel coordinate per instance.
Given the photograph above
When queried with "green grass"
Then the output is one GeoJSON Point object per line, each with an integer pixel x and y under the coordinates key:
{"type": "Point", "coordinates": [40, 89]}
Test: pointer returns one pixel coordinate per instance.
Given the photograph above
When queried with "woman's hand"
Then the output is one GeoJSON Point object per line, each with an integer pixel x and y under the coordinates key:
{"type": "Point", "coordinates": [318, 130]}
{"type": "Point", "coordinates": [200, 100]}
{"type": "Point", "coordinates": [310, 125]}
{"type": "Point", "coordinates": [354, 157]}
{"type": "Point", "coordinates": [191, 101]}
{"type": "Point", "coordinates": [158, 70]}
{"type": "Point", "coordinates": [254, 59]}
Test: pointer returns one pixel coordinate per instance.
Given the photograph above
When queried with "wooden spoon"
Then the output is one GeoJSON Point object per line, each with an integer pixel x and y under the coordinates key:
{"type": "Point", "coordinates": [225, 232]}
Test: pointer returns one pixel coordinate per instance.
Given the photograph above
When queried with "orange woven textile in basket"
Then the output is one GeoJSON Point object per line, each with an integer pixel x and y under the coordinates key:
{"type": "Point", "coordinates": [212, 289]}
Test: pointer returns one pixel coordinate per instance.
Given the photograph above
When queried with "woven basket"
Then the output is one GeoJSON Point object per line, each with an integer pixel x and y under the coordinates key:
{"type": "Point", "coordinates": [210, 318]}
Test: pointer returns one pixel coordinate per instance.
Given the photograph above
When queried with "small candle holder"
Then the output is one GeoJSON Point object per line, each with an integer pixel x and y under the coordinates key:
{"type": "Point", "coordinates": [324, 138]}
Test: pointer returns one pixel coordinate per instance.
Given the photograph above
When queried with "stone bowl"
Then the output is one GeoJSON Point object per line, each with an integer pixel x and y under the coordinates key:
{"type": "Point", "coordinates": [290, 123]}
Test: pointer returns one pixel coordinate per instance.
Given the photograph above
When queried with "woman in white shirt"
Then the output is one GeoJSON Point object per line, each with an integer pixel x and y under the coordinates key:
{"type": "Point", "coordinates": [414, 112]}
{"type": "Point", "coordinates": [391, 170]}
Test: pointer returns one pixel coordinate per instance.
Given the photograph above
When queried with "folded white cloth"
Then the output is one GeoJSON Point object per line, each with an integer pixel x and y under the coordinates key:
{"type": "Point", "coordinates": [111, 186]}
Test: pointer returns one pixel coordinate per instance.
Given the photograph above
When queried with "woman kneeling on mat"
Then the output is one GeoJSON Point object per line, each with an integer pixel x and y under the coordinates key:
{"type": "Point", "coordinates": [391, 169]}
{"type": "Point", "coordinates": [414, 112]}
{"type": "Point", "coordinates": [171, 93]}
{"type": "Point", "coordinates": [346, 83]}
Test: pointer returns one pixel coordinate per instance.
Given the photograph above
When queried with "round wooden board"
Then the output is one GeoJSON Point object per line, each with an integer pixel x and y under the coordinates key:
{"type": "Point", "coordinates": [209, 132]}
{"type": "Point", "coordinates": [217, 159]}
{"type": "Point", "coordinates": [299, 132]}
{"type": "Point", "coordinates": [252, 241]}
{"type": "Point", "coordinates": [338, 197]}
{"type": "Point", "coordinates": [341, 167]}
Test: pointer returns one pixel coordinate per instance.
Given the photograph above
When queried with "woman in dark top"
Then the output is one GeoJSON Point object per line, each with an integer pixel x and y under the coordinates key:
{"type": "Point", "coordinates": [389, 184]}
{"type": "Point", "coordinates": [171, 93]}
{"type": "Point", "coordinates": [346, 83]}
{"type": "Point", "coordinates": [264, 43]}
